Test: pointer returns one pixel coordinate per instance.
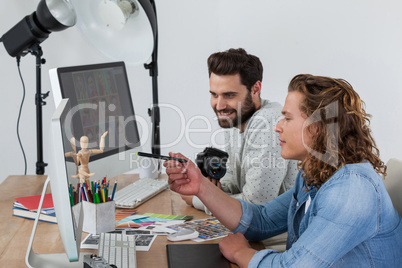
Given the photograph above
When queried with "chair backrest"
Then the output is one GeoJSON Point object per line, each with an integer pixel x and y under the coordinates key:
{"type": "Point", "coordinates": [393, 183]}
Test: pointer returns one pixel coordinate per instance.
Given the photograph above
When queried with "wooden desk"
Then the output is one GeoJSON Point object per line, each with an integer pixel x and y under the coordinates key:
{"type": "Point", "coordinates": [15, 231]}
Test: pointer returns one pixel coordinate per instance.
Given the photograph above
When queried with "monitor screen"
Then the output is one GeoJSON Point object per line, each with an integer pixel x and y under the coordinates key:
{"type": "Point", "coordinates": [100, 101]}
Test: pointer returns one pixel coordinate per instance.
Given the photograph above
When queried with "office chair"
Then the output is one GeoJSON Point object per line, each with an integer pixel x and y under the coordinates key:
{"type": "Point", "coordinates": [393, 183]}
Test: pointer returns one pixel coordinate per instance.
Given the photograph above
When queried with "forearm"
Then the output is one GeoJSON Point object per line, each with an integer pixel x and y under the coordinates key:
{"type": "Point", "coordinates": [225, 208]}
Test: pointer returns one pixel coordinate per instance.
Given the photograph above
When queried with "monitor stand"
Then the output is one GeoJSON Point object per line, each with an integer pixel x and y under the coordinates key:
{"type": "Point", "coordinates": [58, 260]}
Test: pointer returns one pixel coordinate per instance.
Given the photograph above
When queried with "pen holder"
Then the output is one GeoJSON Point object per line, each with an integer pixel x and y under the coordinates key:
{"type": "Point", "coordinates": [98, 218]}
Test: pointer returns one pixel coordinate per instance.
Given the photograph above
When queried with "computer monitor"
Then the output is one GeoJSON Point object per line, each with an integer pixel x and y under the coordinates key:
{"type": "Point", "coordinates": [70, 231]}
{"type": "Point", "coordinates": [100, 100]}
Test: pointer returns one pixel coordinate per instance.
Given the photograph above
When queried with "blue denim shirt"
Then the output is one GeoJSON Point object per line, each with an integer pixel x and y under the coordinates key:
{"type": "Point", "coordinates": [350, 222]}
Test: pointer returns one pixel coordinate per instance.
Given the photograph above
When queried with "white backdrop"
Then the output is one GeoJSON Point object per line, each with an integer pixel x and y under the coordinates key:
{"type": "Point", "coordinates": [360, 41]}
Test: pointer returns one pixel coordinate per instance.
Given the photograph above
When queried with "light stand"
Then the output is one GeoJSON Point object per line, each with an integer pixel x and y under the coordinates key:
{"type": "Point", "coordinates": [154, 112]}
{"type": "Point", "coordinates": [25, 37]}
{"type": "Point", "coordinates": [39, 97]}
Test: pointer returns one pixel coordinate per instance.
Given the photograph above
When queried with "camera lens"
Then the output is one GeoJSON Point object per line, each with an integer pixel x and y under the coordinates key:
{"type": "Point", "coordinates": [212, 163]}
{"type": "Point", "coordinates": [215, 168]}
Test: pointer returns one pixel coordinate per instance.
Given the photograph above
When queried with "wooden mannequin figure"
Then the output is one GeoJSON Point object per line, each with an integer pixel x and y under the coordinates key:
{"type": "Point", "coordinates": [73, 154]}
{"type": "Point", "coordinates": [83, 157]}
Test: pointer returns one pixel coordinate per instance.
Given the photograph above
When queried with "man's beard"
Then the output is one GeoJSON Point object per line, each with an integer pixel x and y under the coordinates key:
{"type": "Point", "coordinates": [247, 109]}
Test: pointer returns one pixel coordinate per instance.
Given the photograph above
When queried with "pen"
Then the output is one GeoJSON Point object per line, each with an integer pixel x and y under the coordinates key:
{"type": "Point", "coordinates": [84, 189]}
{"type": "Point", "coordinates": [79, 193]}
{"type": "Point", "coordinates": [107, 192]}
{"type": "Point", "coordinates": [97, 200]}
{"type": "Point", "coordinates": [181, 160]}
{"type": "Point", "coordinates": [71, 201]}
{"type": "Point", "coordinates": [75, 195]}
{"type": "Point", "coordinates": [114, 190]}
{"type": "Point", "coordinates": [103, 194]}
{"type": "Point", "coordinates": [83, 194]}
{"type": "Point", "coordinates": [70, 189]}
{"type": "Point", "coordinates": [90, 196]}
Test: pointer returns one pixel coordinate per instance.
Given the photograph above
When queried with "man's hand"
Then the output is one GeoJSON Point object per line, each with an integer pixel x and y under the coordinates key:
{"type": "Point", "coordinates": [236, 249]}
{"type": "Point", "coordinates": [189, 198]}
{"type": "Point", "coordinates": [184, 178]}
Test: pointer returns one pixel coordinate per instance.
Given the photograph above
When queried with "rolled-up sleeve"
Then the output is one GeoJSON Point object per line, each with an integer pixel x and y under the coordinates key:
{"type": "Point", "coordinates": [259, 222]}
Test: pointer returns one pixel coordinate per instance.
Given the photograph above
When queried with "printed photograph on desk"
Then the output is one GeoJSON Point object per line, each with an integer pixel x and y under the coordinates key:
{"type": "Point", "coordinates": [143, 239]}
{"type": "Point", "coordinates": [90, 241]}
{"type": "Point", "coordinates": [208, 229]}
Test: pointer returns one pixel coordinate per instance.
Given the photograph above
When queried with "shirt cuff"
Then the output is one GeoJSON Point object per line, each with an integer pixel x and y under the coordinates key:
{"type": "Point", "coordinates": [259, 256]}
{"type": "Point", "coordinates": [247, 215]}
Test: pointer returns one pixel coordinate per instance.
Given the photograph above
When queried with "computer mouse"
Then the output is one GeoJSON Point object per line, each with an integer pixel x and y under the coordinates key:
{"type": "Point", "coordinates": [183, 234]}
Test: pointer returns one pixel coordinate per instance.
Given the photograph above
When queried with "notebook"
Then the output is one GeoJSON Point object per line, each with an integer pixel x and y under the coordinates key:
{"type": "Point", "coordinates": [32, 202]}
{"type": "Point", "coordinates": [195, 256]}
{"type": "Point", "coordinates": [47, 215]}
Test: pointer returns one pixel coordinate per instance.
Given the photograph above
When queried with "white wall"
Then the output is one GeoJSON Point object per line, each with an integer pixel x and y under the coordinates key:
{"type": "Point", "coordinates": [359, 40]}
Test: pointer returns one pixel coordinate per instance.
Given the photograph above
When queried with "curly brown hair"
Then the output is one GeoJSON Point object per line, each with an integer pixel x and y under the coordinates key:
{"type": "Point", "coordinates": [339, 125]}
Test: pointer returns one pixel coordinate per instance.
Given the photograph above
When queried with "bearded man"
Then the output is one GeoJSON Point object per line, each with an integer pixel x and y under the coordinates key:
{"type": "Point", "coordinates": [256, 172]}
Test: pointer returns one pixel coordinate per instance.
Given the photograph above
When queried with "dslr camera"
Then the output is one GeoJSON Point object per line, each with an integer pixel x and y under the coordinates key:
{"type": "Point", "coordinates": [212, 162]}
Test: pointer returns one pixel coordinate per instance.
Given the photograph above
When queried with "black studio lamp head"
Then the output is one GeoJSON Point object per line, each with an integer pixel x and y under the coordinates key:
{"type": "Point", "coordinates": [50, 16]}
